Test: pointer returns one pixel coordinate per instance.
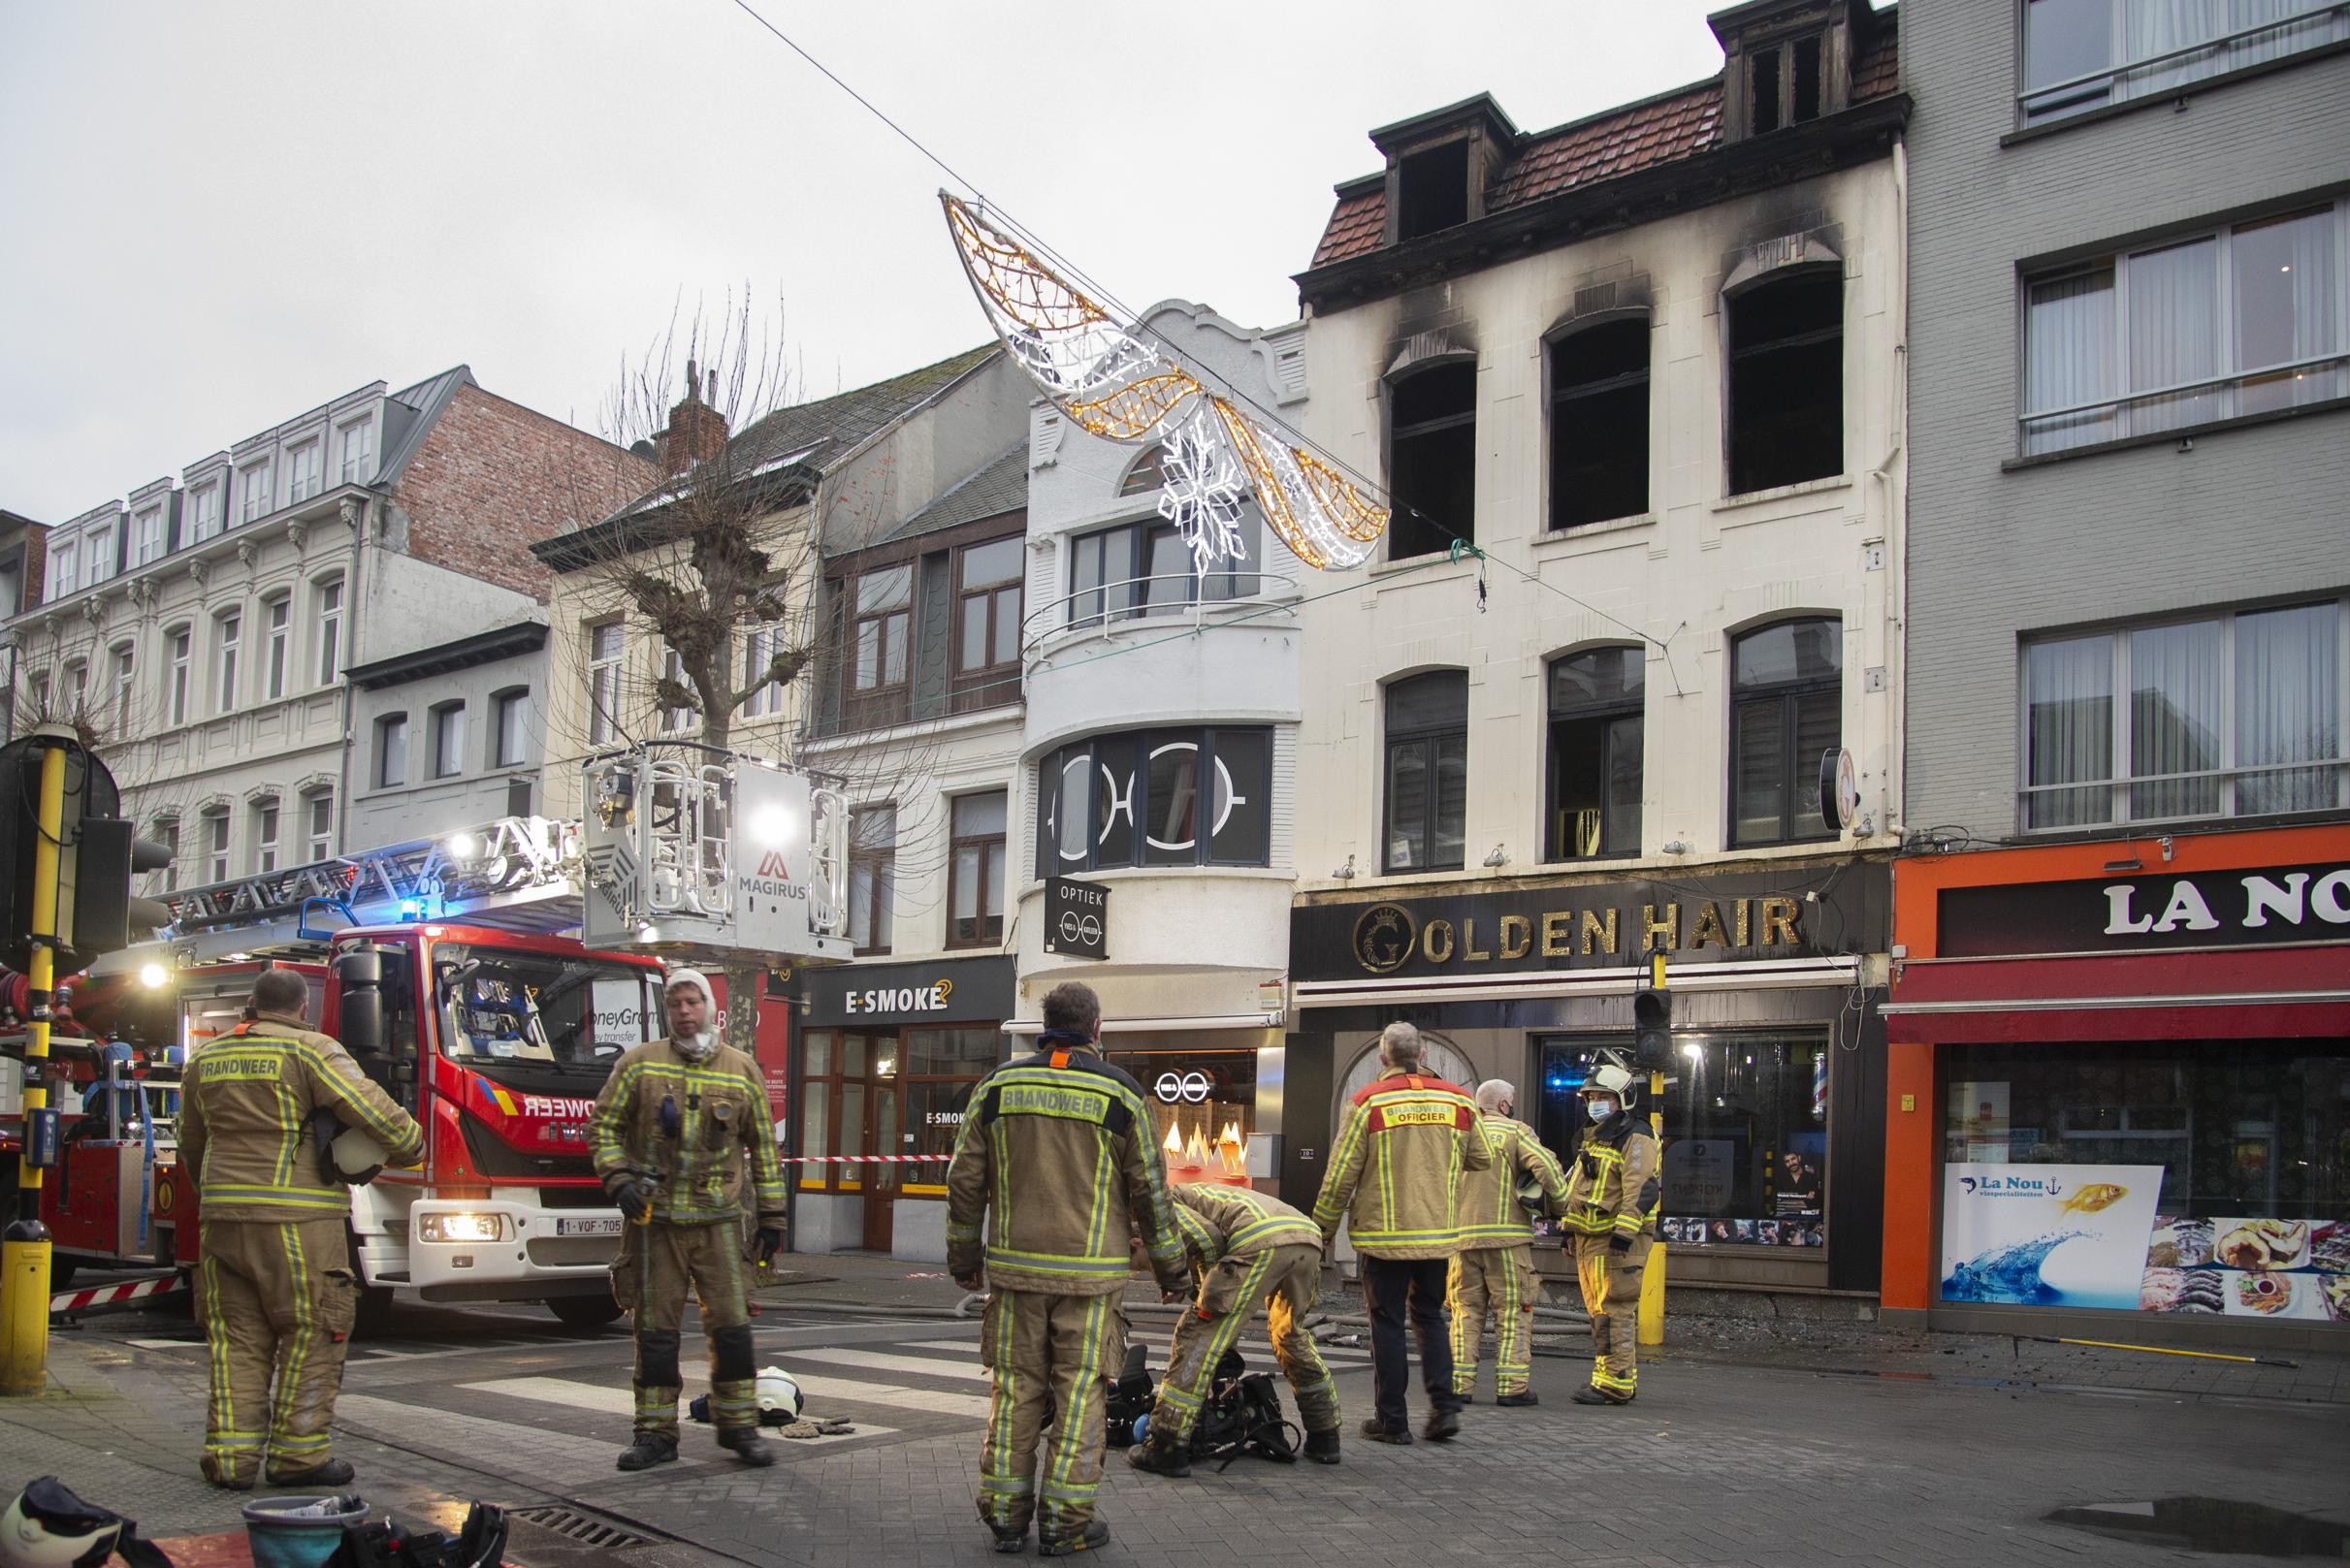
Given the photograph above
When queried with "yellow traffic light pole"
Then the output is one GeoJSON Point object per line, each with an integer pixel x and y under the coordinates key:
{"type": "Point", "coordinates": [24, 1255]}
{"type": "Point", "coordinates": [1651, 1281]}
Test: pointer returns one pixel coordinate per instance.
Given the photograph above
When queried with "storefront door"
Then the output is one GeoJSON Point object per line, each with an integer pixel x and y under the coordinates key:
{"type": "Point", "coordinates": [883, 1136]}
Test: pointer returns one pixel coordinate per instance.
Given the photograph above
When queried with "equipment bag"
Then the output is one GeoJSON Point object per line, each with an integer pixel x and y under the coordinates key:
{"type": "Point", "coordinates": [1242, 1415]}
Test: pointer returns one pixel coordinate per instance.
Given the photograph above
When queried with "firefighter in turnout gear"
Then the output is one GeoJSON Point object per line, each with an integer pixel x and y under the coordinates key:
{"type": "Point", "coordinates": [1054, 1171]}
{"type": "Point", "coordinates": [683, 1141]}
{"type": "Point", "coordinates": [1494, 1267]}
{"type": "Point", "coordinates": [1612, 1192]}
{"type": "Point", "coordinates": [1395, 1177]}
{"type": "Point", "coordinates": [1245, 1248]}
{"type": "Point", "coordinates": [275, 1288]}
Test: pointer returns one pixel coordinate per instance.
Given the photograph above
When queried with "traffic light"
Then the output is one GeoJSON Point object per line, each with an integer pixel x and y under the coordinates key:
{"type": "Point", "coordinates": [1652, 1029]}
{"type": "Point", "coordinates": [97, 856]}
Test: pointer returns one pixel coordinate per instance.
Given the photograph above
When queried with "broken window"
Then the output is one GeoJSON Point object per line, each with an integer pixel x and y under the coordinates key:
{"type": "Point", "coordinates": [1804, 100]}
{"type": "Point", "coordinates": [1600, 424]}
{"type": "Point", "coordinates": [1764, 65]}
{"type": "Point", "coordinates": [1784, 84]}
{"type": "Point", "coordinates": [1431, 468]}
{"type": "Point", "coordinates": [1595, 753]}
{"type": "Point", "coordinates": [1786, 381]}
{"type": "Point", "coordinates": [1431, 190]}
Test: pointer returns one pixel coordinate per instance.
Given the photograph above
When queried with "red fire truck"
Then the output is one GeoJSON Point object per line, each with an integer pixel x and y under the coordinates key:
{"type": "Point", "coordinates": [494, 1032]}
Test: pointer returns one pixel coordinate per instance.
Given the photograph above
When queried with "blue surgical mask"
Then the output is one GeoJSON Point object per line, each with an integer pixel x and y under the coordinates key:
{"type": "Point", "coordinates": [1598, 1111]}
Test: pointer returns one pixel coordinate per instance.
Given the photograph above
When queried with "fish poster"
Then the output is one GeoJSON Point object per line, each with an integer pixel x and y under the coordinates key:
{"type": "Point", "coordinates": [2047, 1235]}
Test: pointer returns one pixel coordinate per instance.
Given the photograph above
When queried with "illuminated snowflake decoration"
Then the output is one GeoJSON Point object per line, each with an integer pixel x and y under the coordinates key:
{"type": "Point", "coordinates": [1201, 495]}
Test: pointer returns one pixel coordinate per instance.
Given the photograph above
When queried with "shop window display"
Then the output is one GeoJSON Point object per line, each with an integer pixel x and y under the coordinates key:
{"type": "Point", "coordinates": [1203, 1110]}
{"type": "Point", "coordinates": [1745, 1138]}
{"type": "Point", "coordinates": [2168, 1176]}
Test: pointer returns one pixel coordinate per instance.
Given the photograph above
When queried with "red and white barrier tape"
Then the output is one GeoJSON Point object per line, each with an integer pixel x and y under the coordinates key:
{"type": "Point", "coordinates": [115, 1295]}
{"type": "Point", "coordinates": [863, 1159]}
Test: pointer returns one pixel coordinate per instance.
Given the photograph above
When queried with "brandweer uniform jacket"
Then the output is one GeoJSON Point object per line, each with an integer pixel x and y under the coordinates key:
{"type": "Point", "coordinates": [1491, 1215]}
{"type": "Point", "coordinates": [1396, 1172]}
{"type": "Point", "coordinates": [1233, 1222]}
{"type": "Point", "coordinates": [714, 1140]}
{"type": "Point", "coordinates": [1613, 1189]}
{"type": "Point", "coordinates": [1056, 1154]}
{"type": "Point", "coordinates": [244, 1121]}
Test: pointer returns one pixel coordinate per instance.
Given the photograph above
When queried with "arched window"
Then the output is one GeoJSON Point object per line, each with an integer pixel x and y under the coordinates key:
{"type": "Point", "coordinates": [1787, 708]}
{"type": "Point", "coordinates": [1600, 411]}
{"type": "Point", "coordinates": [1427, 772]}
{"type": "Point", "coordinates": [1595, 745]}
{"type": "Point", "coordinates": [1787, 380]}
{"type": "Point", "coordinates": [1148, 474]}
{"type": "Point", "coordinates": [1432, 459]}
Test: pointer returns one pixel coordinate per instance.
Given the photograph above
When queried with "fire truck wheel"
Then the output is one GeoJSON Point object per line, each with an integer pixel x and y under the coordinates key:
{"type": "Point", "coordinates": [584, 1312]}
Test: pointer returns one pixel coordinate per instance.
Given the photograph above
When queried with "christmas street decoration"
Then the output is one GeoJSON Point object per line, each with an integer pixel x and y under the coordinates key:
{"type": "Point", "coordinates": [1115, 384]}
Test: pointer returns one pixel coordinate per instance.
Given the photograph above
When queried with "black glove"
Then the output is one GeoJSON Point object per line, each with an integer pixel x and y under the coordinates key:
{"type": "Point", "coordinates": [1618, 1242]}
{"type": "Point", "coordinates": [632, 1192]}
{"type": "Point", "coordinates": [767, 1243]}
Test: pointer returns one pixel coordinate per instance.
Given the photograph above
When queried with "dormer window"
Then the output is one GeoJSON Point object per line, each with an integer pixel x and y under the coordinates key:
{"type": "Point", "coordinates": [1783, 84]}
{"type": "Point", "coordinates": [1789, 62]}
{"type": "Point", "coordinates": [1431, 190]}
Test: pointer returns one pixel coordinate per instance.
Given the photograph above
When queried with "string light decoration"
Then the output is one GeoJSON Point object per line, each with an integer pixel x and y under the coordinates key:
{"type": "Point", "coordinates": [1114, 384]}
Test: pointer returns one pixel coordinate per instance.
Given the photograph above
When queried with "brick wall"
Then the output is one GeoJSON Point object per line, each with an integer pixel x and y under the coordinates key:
{"type": "Point", "coordinates": [493, 476]}
{"type": "Point", "coordinates": [1994, 555]}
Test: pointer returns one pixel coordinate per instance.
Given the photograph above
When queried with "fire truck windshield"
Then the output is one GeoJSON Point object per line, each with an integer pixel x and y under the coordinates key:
{"type": "Point", "coordinates": [498, 1005]}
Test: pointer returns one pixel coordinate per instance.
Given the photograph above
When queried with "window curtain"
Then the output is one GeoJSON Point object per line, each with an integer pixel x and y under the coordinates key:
{"type": "Point", "coordinates": [2152, 27]}
{"type": "Point", "coordinates": [2177, 699]}
{"type": "Point", "coordinates": [2286, 275]}
{"type": "Point", "coordinates": [2070, 359]}
{"type": "Point", "coordinates": [2288, 708]}
{"type": "Point", "coordinates": [2320, 25]}
{"type": "Point", "coordinates": [2069, 731]}
{"type": "Point", "coordinates": [2174, 334]}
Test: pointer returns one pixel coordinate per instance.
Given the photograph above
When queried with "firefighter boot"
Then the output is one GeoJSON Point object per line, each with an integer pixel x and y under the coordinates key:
{"type": "Point", "coordinates": [1095, 1536]}
{"type": "Point", "coordinates": [647, 1450]}
{"type": "Point", "coordinates": [325, 1473]}
{"type": "Point", "coordinates": [748, 1446]}
{"type": "Point", "coordinates": [1516, 1402]}
{"type": "Point", "coordinates": [1323, 1447]}
{"type": "Point", "coordinates": [1161, 1458]}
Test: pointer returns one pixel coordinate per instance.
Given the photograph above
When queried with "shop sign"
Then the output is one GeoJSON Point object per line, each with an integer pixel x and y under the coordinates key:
{"type": "Point", "coordinates": [1181, 1088]}
{"type": "Point", "coordinates": [2206, 909]}
{"type": "Point", "coordinates": [1594, 925]}
{"type": "Point", "coordinates": [1077, 918]}
{"type": "Point", "coordinates": [977, 990]}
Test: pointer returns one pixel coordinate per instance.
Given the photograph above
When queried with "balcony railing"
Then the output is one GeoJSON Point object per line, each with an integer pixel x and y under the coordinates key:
{"type": "Point", "coordinates": [2186, 405]}
{"type": "Point", "coordinates": [2151, 76]}
{"type": "Point", "coordinates": [1166, 601]}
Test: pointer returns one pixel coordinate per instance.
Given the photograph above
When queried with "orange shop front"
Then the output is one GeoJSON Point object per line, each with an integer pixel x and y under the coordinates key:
{"type": "Point", "coordinates": [2118, 1089]}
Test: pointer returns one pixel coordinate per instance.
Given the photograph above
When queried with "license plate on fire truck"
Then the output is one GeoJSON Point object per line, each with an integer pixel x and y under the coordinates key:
{"type": "Point", "coordinates": [589, 1224]}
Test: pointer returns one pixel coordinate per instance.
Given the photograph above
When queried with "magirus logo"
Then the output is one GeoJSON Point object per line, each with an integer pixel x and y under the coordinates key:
{"type": "Point", "coordinates": [774, 865]}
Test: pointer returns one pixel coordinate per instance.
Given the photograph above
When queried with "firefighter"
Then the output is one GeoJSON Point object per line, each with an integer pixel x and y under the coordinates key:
{"type": "Point", "coordinates": [1245, 1248]}
{"type": "Point", "coordinates": [1494, 1267]}
{"type": "Point", "coordinates": [1413, 1136]}
{"type": "Point", "coordinates": [682, 1139]}
{"type": "Point", "coordinates": [1056, 1154]}
{"type": "Point", "coordinates": [1612, 1193]}
{"type": "Point", "coordinates": [278, 1293]}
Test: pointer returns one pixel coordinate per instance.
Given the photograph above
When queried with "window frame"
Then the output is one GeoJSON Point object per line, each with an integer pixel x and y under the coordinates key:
{"type": "Point", "coordinates": [2134, 413]}
{"type": "Point", "coordinates": [228, 642]}
{"type": "Point", "coordinates": [1556, 399]}
{"type": "Point", "coordinates": [165, 830]}
{"type": "Point", "coordinates": [319, 845]}
{"type": "Point", "coordinates": [1800, 780]}
{"type": "Point", "coordinates": [868, 854]}
{"type": "Point", "coordinates": [326, 598]}
{"type": "Point", "coordinates": [179, 644]}
{"type": "Point", "coordinates": [125, 658]}
{"type": "Point", "coordinates": [98, 552]}
{"type": "Point", "coordinates": [61, 573]}
{"type": "Point", "coordinates": [256, 489]}
{"type": "Point", "coordinates": [1606, 712]}
{"type": "Point", "coordinates": [674, 720]}
{"type": "Point", "coordinates": [2120, 800]}
{"type": "Point", "coordinates": [1133, 593]}
{"type": "Point", "coordinates": [985, 682]}
{"type": "Point", "coordinates": [363, 449]}
{"type": "Point", "coordinates": [1422, 429]}
{"type": "Point", "coordinates": [881, 689]}
{"type": "Point", "coordinates": [1430, 735]}
{"type": "Point", "coordinates": [604, 670]}
{"type": "Point", "coordinates": [506, 704]}
{"type": "Point", "coordinates": [207, 510]}
{"type": "Point", "coordinates": [448, 735]}
{"type": "Point", "coordinates": [305, 470]}
{"type": "Point", "coordinates": [267, 815]}
{"type": "Point", "coordinates": [387, 728]}
{"type": "Point", "coordinates": [761, 641]}
{"type": "Point", "coordinates": [147, 537]}
{"type": "Point", "coordinates": [991, 897]}
{"type": "Point", "coordinates": [1782, 277]}
{"type": "Point", "coordinates": [216, 843]}
{"type": "Point", "coordinates": [2096, 102]}
{"type": "Point", "coordinates": [277, 632]}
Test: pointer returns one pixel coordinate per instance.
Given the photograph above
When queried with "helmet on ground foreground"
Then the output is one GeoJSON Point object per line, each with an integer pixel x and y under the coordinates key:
{"type": "Point", "coordinates": [779, 1396]}
{"type": "Point", "coordinates": [48, 1526]}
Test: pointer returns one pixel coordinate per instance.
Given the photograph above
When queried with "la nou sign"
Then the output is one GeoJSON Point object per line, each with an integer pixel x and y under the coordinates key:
{"type": "Point", "coordinates": [2198, 909]}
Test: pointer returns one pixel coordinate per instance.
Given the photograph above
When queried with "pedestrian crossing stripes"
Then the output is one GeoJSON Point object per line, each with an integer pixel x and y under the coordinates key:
{"type": "Point", "coordinates": [617, 1402]}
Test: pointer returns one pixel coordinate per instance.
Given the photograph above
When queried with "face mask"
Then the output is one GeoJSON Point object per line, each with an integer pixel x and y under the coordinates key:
{"type": "Point", "coordinates": [1598, 1111]}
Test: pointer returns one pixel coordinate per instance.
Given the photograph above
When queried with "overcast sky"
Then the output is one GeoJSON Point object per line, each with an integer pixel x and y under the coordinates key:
{"type": "Point", "coordinates": [219, 214]}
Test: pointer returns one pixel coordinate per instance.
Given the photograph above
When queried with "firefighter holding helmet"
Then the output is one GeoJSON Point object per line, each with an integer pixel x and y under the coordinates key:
{"type": "Point", "coordinates": [1612, 1193]}
{"type": "Point", "coordinates": [275, 1287]}
{"type": "Point", "coordinates": [682, 1139]}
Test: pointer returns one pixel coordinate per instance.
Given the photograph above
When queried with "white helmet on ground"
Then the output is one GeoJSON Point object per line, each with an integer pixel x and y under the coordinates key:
{"type": "Point", "coordinates": [48, 1526]}
{"type": "Point", "coordinates": [779, 1396]}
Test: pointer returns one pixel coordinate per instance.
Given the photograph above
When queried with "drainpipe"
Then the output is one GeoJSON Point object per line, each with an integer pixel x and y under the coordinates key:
{"type": "Point", "coordinates": [354, 518]}
{"type": "Point", "coordinates": [1893, 476]}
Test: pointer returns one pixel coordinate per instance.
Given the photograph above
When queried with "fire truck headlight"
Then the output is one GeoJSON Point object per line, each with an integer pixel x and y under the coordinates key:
{"type": "Point", "coordinates": [153, 976]}
{"type": "Point", "coordinates": [460, 1226]}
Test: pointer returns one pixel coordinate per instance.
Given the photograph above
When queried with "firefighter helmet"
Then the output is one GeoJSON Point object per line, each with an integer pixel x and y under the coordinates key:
{"type": "Point", "coordinates": [1609, 1079]}
{"type": "Point", "coordinates": [358, 1157]}
{"type": "Point", "coordinates": [48, 1526]}
{"type": "Point", "coordinates": [779, 1396]}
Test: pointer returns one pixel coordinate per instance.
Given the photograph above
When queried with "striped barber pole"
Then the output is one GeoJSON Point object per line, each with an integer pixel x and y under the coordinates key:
{"type": "Point", "coordinates": [863, 1159]}
{"type": "Point", "coordinates": [110, 1295]}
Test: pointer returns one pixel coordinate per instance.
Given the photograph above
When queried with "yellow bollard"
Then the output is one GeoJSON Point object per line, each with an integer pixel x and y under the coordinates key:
{"type": "Point", "coordinates": [24, 1253]}
{"type": "Point", "coordinates": [1652, 1298]}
